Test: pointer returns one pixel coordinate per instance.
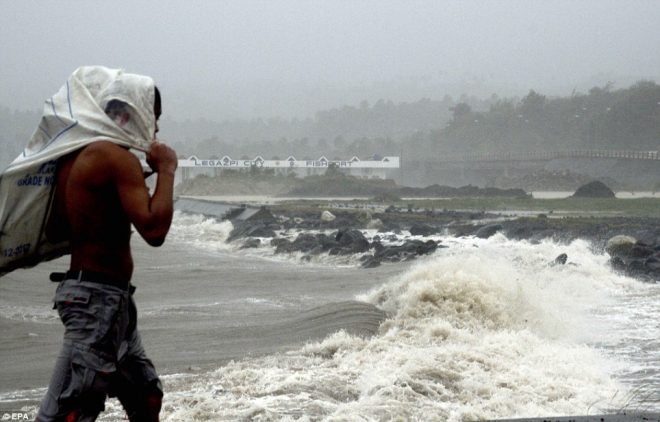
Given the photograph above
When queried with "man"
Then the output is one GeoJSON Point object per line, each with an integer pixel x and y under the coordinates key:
{"type": "Point", "coordinates": [100, 192]}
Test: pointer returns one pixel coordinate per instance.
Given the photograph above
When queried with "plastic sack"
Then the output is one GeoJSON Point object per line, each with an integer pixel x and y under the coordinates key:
{"type": "Point", "coordinates": [91, 106]}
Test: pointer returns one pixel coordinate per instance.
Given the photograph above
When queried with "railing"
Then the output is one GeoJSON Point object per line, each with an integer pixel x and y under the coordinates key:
{"type": "Point", "coordinates": [550, 155]}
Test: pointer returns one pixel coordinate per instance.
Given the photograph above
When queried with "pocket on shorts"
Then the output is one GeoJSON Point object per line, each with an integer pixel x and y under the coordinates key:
{"type": "Point", "coordinates": [88, 374]}
{"type": "Point", "coordinates": [72, 295]}
{"type": "Point", "coordinates": [73, 305]}
{"type": "Point", "coordinates": [78, 383]}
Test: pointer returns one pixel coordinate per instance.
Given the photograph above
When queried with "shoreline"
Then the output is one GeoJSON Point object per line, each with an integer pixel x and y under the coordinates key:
{"type": "Point", "coordinates": [406, 229]}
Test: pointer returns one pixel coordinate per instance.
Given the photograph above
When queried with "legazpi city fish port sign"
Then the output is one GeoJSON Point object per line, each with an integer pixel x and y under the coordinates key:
{"type": "Point", "coordinates": [290, 162]}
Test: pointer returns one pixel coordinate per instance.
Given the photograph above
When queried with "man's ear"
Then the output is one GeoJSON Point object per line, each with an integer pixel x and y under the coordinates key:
{"type": "Point", "coordinates": [125, 117]}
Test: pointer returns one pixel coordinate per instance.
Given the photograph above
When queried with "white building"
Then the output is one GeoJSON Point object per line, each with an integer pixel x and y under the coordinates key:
{"type": "Point", "coordinates": [378, 167]}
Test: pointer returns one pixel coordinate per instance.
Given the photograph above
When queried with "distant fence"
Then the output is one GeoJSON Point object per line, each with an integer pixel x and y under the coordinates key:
{"type": "Point", "coordinates": [550, 155]}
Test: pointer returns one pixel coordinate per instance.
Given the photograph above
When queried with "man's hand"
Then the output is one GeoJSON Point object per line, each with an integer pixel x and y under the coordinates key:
{"type": "Point", "coordinates": [161, 158]}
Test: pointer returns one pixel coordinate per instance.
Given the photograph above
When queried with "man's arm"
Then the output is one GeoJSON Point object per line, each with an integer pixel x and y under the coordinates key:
{"type": "Point", "coordinates": [150, 215]}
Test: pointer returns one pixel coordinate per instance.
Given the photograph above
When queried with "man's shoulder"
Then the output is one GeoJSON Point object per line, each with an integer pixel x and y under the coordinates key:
{"type": "Point", "coordinates": [108, 152]}
{"type": "Point", "coordinates": [107, 147]}
{"type": "Point", "coordinates": [101, 160]}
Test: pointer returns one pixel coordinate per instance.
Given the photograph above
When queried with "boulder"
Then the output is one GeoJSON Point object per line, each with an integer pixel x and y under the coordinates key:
{"type": "Point", "coordinates": [487, 231]}
{"type": "Point", "coordinates": [594, 189]}
{"type": "Point", "coordinates": [620, 246]}
{"type": "Point", "coordinates": [279, 241]}
{"type": "Point", "coordinates": [252, 229]}
{"type": "Point", "coordinates": [305, 242]}
{"type": "Point", "coordinates": [641, 250]}
{"type": "Point", "coordinates": [408, 250]}
{"type": "Point", "coordinates": [351, 241]}
{"type": "Point", "coordinates": [251, 243]}
{"type": "Point", "coordinates": [327, 216]}
{"type": "Point", "coordinates": [422, 229]}
{"type": "Point", "coordinates": [653, 263]}
{"type": "Point", "coordinates": [371, 262]}
{"type": "Point", "coordinates": [560, 260]}
{"type": "Point", "coordinates": [634, 258]}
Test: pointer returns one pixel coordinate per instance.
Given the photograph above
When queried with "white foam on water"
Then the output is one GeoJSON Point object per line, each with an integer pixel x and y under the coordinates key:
{"type": "Point", "coordinates": [485, 329]}
{"type": "Point", "coordinates": [203, 232]}
{"type": "Point", "coordinates": [210, 235]}
{"type": "Point", "coordinates": [38, 314]}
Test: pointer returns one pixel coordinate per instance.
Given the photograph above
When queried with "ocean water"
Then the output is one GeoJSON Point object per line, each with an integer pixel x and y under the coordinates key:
{"type": "Point", "coordinates": [482, 329]}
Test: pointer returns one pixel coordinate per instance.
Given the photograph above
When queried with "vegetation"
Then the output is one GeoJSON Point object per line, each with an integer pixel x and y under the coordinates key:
{"type": "Point", "coordinates": [627, 119]}
{"type": "Point", "coordinates": [603, 118]}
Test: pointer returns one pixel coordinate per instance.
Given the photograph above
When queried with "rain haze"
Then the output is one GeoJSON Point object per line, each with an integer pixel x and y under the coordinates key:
{"type": "Point", "coordinates": [382, 210]}
{"type": "Point", "coordinates": [226, 60]}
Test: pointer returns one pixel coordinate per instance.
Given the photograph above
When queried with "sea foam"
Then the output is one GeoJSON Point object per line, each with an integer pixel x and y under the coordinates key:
{"type": "Point", "coordinates": [488, 330]}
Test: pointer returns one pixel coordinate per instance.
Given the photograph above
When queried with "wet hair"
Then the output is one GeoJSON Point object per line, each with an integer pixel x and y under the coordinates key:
{"type": "Point", "coordinates": [157, 103]}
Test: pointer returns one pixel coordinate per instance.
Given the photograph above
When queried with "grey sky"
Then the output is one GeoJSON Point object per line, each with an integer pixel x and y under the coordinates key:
{"type": "Point", "coordinates": [227, 59]}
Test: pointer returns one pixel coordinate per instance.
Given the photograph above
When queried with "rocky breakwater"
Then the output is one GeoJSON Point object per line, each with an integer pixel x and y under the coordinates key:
{"type": "Point", "coordinates": [635, 254]}
{"type": "Point", "coordinates": [635, 258]}
{"type": "Point", "coordinates": [345, 238]}
{"type": "Point", "coordinates": [403, 234]}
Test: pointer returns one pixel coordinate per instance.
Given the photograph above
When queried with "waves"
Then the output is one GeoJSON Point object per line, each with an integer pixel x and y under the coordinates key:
{"type": "Point", "coordinates": [485, 330]}
{"type": "Point", "coordinates": [203, 232]}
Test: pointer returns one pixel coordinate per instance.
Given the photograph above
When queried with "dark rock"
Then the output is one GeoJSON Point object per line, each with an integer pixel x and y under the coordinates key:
{"type": "Point", "coordinates": [617, 263]}
{"type": "Point", "coordinates": [639, 263]}
{"type": "Point", "coordinates": [409, 249]}
{"type": "Point", "coordinates": [652, 263]}
{"type": "Point", "coordinates": [423, 230]}
{"type": "Point", "coordinates": [640, 250]}
{"type": "Point", "coordinates": [620, 246]}
{"type": "Point", "coordinates": [487, 231]}
{"type": "Point", "coordinates": [344, 242]}
{"type": "Point", "coordinates": [377, 246]}
{"type": "Point", "coordinates": [428, 247]}
{"type": "Point", "coordinates": [251, 243]}
{"type": "Point", "coordinates": [594, 189]}
{"type": "Point", "coordinates": [278, 241]}
{"type": "Point", "coordinates": [371, 262]}
{"type": "Point", "coordinates": [303, 243]}
{"type": "Point", "coordinates": [560, 260]}
{"type": "Point", "coordinates": [352, 241]}
{"type": "Point", "coordinates": [636, 267]}
{"type": "Point", "coordinates": [252, 229]}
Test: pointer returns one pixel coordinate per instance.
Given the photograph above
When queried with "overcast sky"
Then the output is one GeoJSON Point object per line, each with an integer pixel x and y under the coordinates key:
{"type": "Point", "coordinates": [226, 59]}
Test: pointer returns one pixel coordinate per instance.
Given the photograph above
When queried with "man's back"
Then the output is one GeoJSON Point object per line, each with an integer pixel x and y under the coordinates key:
{"type": "Point", "coordinates": [100, 193]}
{"type": "Point", "coordinates": [89, 210]}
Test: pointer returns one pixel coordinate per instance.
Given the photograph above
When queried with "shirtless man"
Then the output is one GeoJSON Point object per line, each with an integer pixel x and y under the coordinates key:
{"type": "Point", "coordinates": [100, 193]}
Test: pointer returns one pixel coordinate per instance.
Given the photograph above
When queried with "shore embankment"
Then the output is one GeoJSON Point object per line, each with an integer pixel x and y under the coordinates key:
{"type": "Point", "coordinates": [337, 226]}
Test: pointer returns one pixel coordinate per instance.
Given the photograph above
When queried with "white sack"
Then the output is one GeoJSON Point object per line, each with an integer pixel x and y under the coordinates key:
{"type": "Point", "coordinates": [72, 118]}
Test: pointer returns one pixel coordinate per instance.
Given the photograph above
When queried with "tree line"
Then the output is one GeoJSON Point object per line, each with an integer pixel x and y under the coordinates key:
{"type": "Point", "coordinates": [603, 118]}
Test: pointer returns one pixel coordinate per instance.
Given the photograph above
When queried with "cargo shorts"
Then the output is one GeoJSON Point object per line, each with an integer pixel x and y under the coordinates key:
{"type": "Point", "coordinates": [102, 354]}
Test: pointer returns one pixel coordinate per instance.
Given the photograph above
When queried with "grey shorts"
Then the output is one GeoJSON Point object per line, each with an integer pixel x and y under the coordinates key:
{"type": "Point", "coordinates": [102, 353]}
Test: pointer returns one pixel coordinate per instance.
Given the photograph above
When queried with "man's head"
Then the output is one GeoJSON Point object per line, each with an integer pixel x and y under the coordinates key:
{"type": "Point", "coordinates": [120, 111]}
